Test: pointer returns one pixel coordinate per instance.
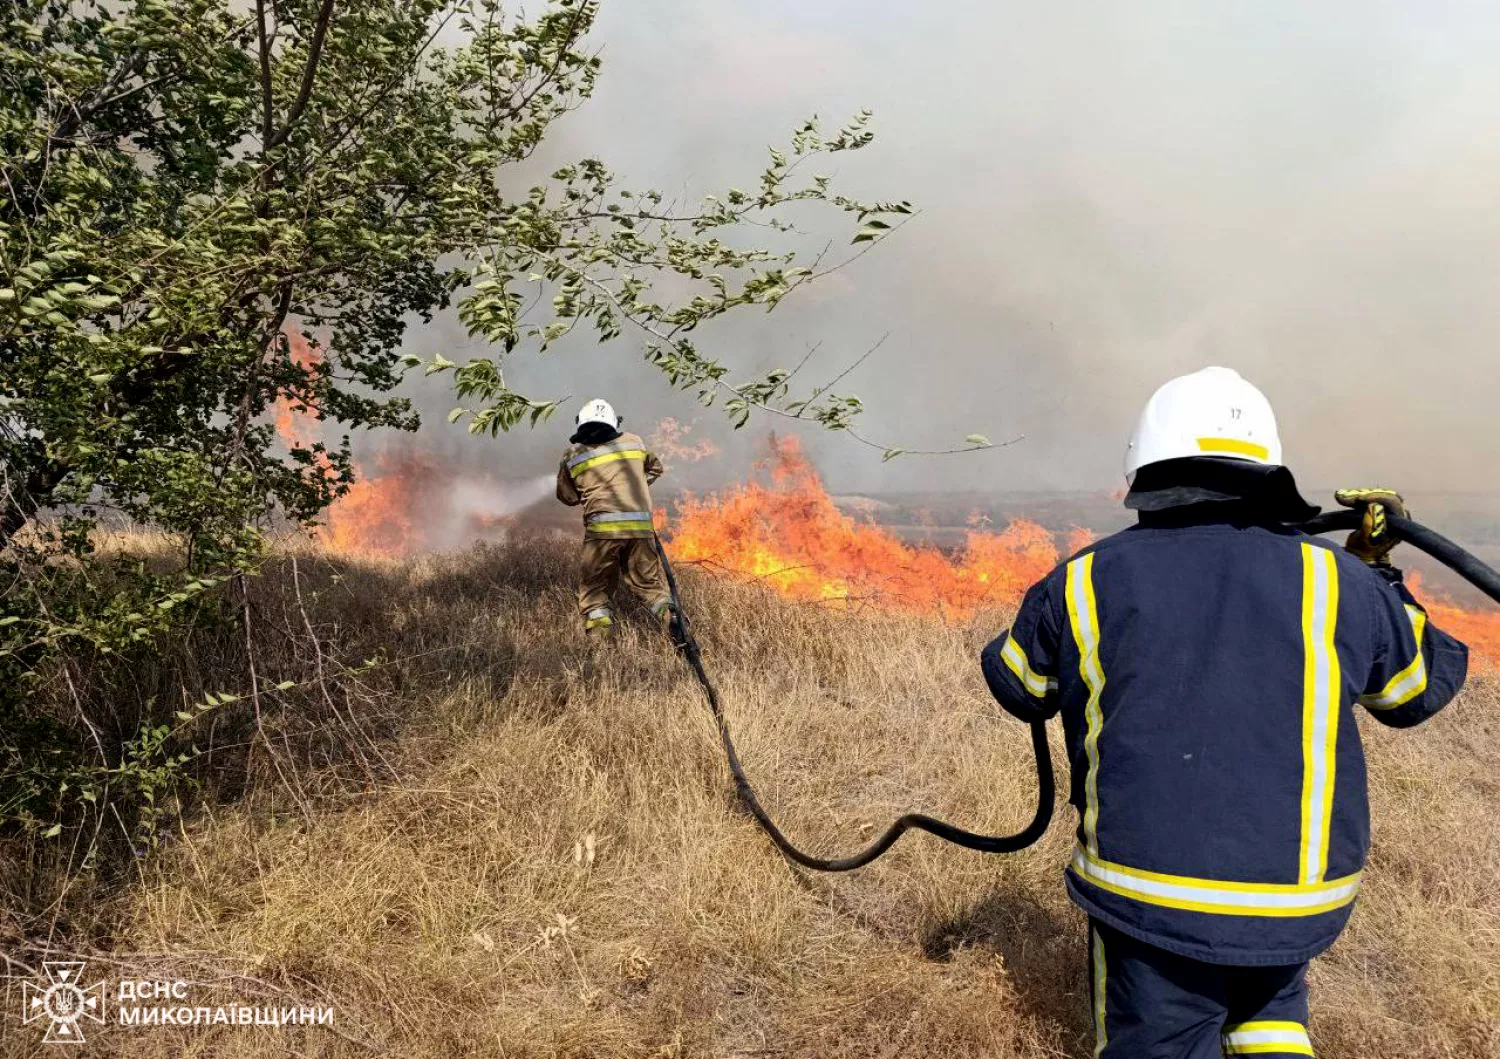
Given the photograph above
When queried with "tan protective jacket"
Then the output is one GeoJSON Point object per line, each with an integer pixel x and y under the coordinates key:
{"type": "Point", "coordinates": [612, 482]}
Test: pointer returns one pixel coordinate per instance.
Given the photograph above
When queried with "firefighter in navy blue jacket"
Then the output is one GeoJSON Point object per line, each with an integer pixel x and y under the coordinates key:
{"type": "Point", "coordinates": [1207, 663]}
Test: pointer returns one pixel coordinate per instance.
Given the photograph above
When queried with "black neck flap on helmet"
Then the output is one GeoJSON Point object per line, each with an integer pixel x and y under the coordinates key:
{"type": "Point", "coordinates": [594, 434]}
{"type": "Point", "coordinates": [1269, 491]}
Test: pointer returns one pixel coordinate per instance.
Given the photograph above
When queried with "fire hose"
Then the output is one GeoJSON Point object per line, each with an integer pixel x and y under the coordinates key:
{"type": "Point", "coordinates": [1434, 544]}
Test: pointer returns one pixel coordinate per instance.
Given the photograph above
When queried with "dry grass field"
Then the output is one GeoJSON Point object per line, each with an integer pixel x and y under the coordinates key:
{"type": "Point", "coordinates": [552, 863]}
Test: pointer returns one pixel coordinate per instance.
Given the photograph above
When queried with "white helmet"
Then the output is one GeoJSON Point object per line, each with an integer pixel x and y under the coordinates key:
{"type": "Point", "coordinates": [598, 411]}
{"type": "Point", "coordinates": [1212, 412]}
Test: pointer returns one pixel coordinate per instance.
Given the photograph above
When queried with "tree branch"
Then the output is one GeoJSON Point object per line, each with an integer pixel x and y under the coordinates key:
{"type": "Point", "coordinates": [858, 361]}
{"type": "Point", "coordinates": [729, 388]}
{"type": "Point", "coordinates": [563, 50]}
{"type": "Point", "coordinates": [266, 102]}
{"type": "Point", "coordinates": [309, 76]}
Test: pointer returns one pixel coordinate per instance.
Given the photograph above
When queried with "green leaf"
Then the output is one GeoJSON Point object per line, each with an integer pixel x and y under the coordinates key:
{"type": "Point", "coordinates": [978, 439]}
{"type": "Point", "coordinates": [53, 831]}
{"type": "Point", "coordinates": [177, 289]}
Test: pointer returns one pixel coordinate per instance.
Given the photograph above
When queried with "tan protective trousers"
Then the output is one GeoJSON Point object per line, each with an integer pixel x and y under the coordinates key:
{"type": "Point", "coordinates": [605, 563]}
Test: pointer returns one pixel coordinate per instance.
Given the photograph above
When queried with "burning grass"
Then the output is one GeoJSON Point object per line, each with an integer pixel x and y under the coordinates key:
{"type": "Point", "coordinates": [558, 868]}
{"type": "Point", "coordinates": [788, 533]}
{"type": "Point", "coordinates": [409, 501]}
{"type": "Point", "coordinates": [784, 531]}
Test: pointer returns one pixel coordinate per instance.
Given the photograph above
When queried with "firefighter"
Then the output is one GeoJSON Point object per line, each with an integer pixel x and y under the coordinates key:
{"type": "Point", "coordinates": [1206, 663]}
{"type": "Point", "coordinates": [609, 473]}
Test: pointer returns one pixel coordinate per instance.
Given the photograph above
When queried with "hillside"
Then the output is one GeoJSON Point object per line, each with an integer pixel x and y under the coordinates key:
{"type": "Point", "coordinates": [548, 860]}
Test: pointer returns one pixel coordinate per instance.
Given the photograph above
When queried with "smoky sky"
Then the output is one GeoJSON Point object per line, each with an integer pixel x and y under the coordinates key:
{"type": "Point", "coordinates": [1110, 194]}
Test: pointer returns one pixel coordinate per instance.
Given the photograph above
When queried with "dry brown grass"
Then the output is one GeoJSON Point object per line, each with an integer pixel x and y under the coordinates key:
{"type": "Point", "coordinates": [560, 869]}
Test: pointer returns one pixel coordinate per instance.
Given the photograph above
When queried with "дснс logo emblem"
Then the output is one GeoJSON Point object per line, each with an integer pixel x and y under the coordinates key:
{"type": "Point", "coordinates": [63, 1001]}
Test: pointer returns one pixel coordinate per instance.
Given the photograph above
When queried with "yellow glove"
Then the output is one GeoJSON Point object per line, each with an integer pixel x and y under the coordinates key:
{"type": "Point", "coordinates": [1372, 542]}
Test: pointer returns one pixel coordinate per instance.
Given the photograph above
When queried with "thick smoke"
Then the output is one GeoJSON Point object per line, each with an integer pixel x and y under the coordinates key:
{"type": "Point", "coordinates": [1111, 194]}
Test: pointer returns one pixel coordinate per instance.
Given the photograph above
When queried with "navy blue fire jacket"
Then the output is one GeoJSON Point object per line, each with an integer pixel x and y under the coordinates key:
{"type": "Point", "coordinates": [1207, 676]}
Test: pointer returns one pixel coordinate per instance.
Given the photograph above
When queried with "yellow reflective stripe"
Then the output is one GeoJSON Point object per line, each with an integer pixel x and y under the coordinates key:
{"type": "Point", "coordinates": [1335, 702]}
{"type": "Point", "coordinates": [1234, 445]}
{"type": "Point", "coordinates": [1101, 979]}
{"type": "Point", "coordinates": [1213, 895]}
{"type": "Point", "coordinates": [609, 457]}
{"type": "Point", "coordinates": [600, 450]}
{"type": "Point", "coordinates": [1265, 1024]}
{"type": "Point", "coordinates": [1083, 616]}
{"type": "Point", "coordinates": [1316, 891]}
{"type": "Point", "coordinates": [1016, 661]}
{"type": "Point", "coordinates": [1286, 1043]}
{"type": "Point", "coordinates": [1411, 681]}
{"type": "Point", "coordinates": [617, 527]}
{"type": "Point", "coordinates": [1252, 1038]}
{"type": "Point", "coordinates": [1320, 707]}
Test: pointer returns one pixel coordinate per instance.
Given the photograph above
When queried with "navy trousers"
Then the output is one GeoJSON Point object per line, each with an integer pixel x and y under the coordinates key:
{"type": "Point", "coordinates": [1152, 1004]}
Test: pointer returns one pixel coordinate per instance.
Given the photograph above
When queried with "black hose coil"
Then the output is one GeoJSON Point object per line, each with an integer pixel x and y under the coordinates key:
{"type": "Point", "coordinates": [1434, 544]}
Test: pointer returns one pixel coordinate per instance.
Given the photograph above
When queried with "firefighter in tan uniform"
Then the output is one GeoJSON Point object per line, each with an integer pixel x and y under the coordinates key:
{"type": "Point", "coordinates": [609, 473]}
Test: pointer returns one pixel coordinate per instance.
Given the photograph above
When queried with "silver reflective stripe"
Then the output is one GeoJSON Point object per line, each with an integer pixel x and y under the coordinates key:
{"type": "Point", "coordinates": [1411, 681]}
{"type": "Point", "coordinates": [1214, 895]}
{"type": "Point", "coordinates": [620, 516]}
{"type": "Point", "coordinates": [1016, 661]}
{"type": "Point", "coordinates": [598, 612]}
{"type": "Point", "coordinates": [1321, 695]}
{"type": "Point", "coordinates": [602, 450]}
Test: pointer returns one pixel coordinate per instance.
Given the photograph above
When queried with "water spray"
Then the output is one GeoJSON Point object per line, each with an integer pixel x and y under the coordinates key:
{"type": "Point", "coordinates": [477, 497]}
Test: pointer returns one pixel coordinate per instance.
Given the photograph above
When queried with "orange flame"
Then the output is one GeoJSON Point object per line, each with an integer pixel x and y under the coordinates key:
{"type": "Point", "coordinates": [1479, 629]}
{"type": "Point", "coordinates": [790, 535]}
{"type": "Point", "coordinates": [414, 503]}
{"type": "Point", "coordinates": [670, 441]}
{"type": "Point", "coordinates": [1079, 538]}
{"type": "Point", "coordinates": [375, 516]}
{"type": "Point", "coordinates": [295, 422]}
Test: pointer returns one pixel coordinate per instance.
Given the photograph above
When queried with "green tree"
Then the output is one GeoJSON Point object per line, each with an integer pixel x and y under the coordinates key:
{"type": "Point", "coordinates": [182, 182]}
